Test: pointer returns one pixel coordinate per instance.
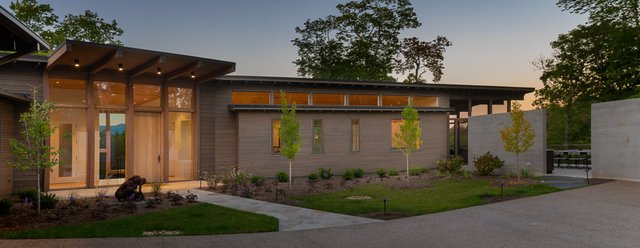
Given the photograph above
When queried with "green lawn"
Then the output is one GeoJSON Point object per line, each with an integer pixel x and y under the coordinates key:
{"type": "Point", "coordinates": [442, 196]}
{"type": "Point", "coordinates": [197, 219]}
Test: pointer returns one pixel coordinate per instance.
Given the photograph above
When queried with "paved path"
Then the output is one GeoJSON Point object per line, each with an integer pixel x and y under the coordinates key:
{"type": "Point", "coordinates": [290, 217]}
{"type": "Point", "coordinates": [564, 182]}
{"type": "Point", "coordinates": [605, 215]}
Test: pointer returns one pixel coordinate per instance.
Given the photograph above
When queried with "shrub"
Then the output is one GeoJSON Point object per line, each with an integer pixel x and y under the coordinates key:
{"type": "Point", "coordinates": [466, 174]}
{"type": "Point", "coordinates": [235, 179]}
{"type": "Point", "coordinates": [524, 173]}
{"type": "Point", "coordinates": [381, 173]}
{"type": "Point", "coordinates": [28, 194]}
{"type": "Point", "coordinates": [5, 206]}
{"type": "Point", "coordinates": [451, 166]}
{"type": "Point", "coordinates": [325, 173]}
{"type": "Point", "coordinates": [393, 173]}
{"type": "Point", "coordinates": [156, 187]}
{"type": "Point", "coordinates": [47, 201]}
{"type": "Point", "coordinates": [415, 171]}
{"type": "Point", "coordinates": [348, 174]}
{"type": "Point", "coordinates": [282, 176]}
{"type": "Point", "coordinates": [74, 199]}
{"type": "Point", "coordinates": [487, 163]}
{"type": "Point", "coordinates": [257, 180]}
{"type": "Point", "coordinates": [358, 172]}
{"type": "Point", "coordinates": [313, 176]}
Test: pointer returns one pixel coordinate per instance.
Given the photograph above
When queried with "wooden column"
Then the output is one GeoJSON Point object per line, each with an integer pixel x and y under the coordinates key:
{"type": "Point", "coordinates": [508, 105]}
{"type": "Point", "coordinates": [45, 96]}
{"type": "Point", "coordinates": [490, 107]}
{"type": "Point", "coordinates": [470, 106]}
{"type": "Point", "coordinates": [129, 153]}
{"type": "Point", "coordinates": [165, 130]}
{"type": "Point", "coordinates": [91, 124]}
{"type": "Point", "coordinates": [195, 132]}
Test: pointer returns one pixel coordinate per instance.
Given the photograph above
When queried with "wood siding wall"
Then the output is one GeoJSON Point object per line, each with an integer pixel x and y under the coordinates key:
{"type": "Point", "coordinates": [6, 132]}
{"type": "Point", "coordinates": [375, 143]}
{"type": "Point", "coordinates": [20, 78]}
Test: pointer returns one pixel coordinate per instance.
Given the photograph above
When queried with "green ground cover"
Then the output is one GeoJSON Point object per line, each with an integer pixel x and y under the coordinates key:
{"type": "Point", "coordinates": [444, 195]}
{"type": "Point", "coordinates": [197, 219]}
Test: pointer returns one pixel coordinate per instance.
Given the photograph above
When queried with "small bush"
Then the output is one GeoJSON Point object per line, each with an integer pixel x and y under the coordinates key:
{"type": "Point", "coordinates": [348, 174]}
{"type": "Point", "coordinates": [156, 187]}
{"type": "Point", "coordinates": [381, 173]}
{"type": "Point", "coordinates": [313, 176]}
{"type": "Point", "coordinates": [466, 174]}
{"type": "Point", "coordinates": [47, 201]}
{"type": "Point", "coordinates": [487, 163]}
{"type": "Point", "coordinates": [524, 173]}
{"type": "Point", "coordinates": [28, 194]}
{"type": "Point", "coordinates": [282, 176]}
{"type": "Point", "coordinates": [5, 206]}
{"type": "Point", "coordinates": [393, 173]}
{"type": "Point", "coordinates": [325, 173]}
{"type": "Point", "coordinates": [74, 199]}
{"type": "Point", "coordinates": [358, 172]}
{"type": "Point", "coordinates": [451, 166]}
{"type": "Point", "coordinates": [257, 180]}
{"type": "Point", "coordinates": [415, 171]}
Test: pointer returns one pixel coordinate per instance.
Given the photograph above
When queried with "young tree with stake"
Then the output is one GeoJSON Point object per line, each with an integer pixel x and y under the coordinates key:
{"type": "Point", "coordinates": [517, 138]}
{"type": "Point", "coordinates": [289, 132]}
{"type": "Point", "coordinates": [409, 137]}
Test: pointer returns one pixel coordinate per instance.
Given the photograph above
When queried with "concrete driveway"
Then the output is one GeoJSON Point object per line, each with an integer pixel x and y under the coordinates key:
{"type": "Point", "coordinates": [606, 215]}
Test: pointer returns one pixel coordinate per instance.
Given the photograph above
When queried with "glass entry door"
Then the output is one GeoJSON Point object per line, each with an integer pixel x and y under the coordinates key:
{"type": "Point", "coordinates": [111, 147]}
{"type": "Point", "coordinates": [147, 146]}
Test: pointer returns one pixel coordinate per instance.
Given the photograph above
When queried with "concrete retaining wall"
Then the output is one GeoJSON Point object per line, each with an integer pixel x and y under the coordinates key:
{"type": "Point", "coordinates": [484, 135]}
{"type": "Point", "coordinates": [615, 140]}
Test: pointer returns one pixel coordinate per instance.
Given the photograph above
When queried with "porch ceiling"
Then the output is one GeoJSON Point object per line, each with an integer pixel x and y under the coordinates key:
{"type": "Point", "coordinates": [99, 58]}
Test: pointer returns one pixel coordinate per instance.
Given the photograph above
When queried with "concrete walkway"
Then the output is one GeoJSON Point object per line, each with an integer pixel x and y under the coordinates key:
{"type": "Point", "coordinates": [564, 182]}
{"type": "Point", "coordinates": [290, 217]}
{"type": "Point", "coordinates": [605, 215]}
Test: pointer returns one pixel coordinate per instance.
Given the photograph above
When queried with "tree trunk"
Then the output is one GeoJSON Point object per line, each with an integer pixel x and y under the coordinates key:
{"type": "Point", "coordinates": [38, 169]}
{"type": "Point", "coordinates": [518, 167]}
{"type": "Point", "coordinates": [407, 155]}
{"type": "Point", "coordinates": [567, 126]}
{"type": "Point", "coordinates": [289, 173]}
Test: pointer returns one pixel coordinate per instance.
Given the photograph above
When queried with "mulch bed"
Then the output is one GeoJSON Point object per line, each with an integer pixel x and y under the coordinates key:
{"type": "Point", "coordinates": [23, 216]}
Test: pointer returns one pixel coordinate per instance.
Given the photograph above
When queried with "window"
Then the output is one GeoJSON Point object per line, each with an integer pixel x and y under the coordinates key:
{"type": "Point", "coordinates": [250, 97]}
{"type": "Point", "coordinates": [328, 99]}
{"type": "Point", "coordinates": [181, 98]}
{"type": "Point", "coordinates": [396, 142]}
{"type": "Point", "coordinates": [275, 136]}
{"type": "Point", "coordinates": [292, 98]}
{"type": "Point", "coordinates": [425, 101]}
{"type": "Point", "coordinates": [355, 135]}
{"type": "Point", "coordinates": [363, 100]}
{"type": "Point", "coordinates": [146, 95]}
{"type": "Point", "coordinates": [109, 93]}
{"type": "Point", "coordinates": [317, 136]}
{"type": "Point", "coordinates": [67, 91]}
{"type": "Point", "coordinates": [180, 146]}
{"type": "Point", "coordinates": [395, 100]}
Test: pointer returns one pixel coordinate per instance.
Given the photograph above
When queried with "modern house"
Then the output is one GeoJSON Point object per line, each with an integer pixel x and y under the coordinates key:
{"type": "Point", "coordinates": [168, 117]}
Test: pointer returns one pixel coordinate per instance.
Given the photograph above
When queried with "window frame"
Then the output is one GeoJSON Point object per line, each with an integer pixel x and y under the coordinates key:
{"type": "Point", "coordinates": [357, 135]}
{"type": "Point", "coordinates": [272, 135]}
{"type": "Point", "coordinates": [313, 144]}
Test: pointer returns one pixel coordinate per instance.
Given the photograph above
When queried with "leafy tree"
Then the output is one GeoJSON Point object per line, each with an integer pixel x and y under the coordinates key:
{"type": "Point", "coordinates": [289, 132]}
{"type": "Point", "coordinates": [32, 151]}
{"type": "Point", "coordinates": [409, 137]}
{"type": "Point", "coordinates": [360, 43]}
{"type": "Point", "coordinates": [517, 138]}
{"type": "Point", "coordinates": [420, 56]}
{"type": "Point", "coordinates": [85, 27]}
{"type": "Point", "coordinates": [605, 11]}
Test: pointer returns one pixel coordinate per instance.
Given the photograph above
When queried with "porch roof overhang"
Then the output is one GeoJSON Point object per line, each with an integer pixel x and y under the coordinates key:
{"type": "Point", "coordinates": [17, 38]}
{"type": "Point", "coordinates": [238, 107]}
{"type": "Point", "coordinates": [95, 58]}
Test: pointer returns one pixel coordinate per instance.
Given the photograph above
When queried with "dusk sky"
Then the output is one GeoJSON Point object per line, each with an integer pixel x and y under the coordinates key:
{"type": "Point", "coordinates": [494, 41]}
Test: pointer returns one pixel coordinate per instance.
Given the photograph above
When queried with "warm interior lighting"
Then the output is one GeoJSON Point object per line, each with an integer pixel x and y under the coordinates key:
{"type": "Point", "coordinates": [193, 74]}
{"type": "Point", "coordinates": [76, 63]}
{"type": "Point", "coordinates": [159, 71]}
{"type": "Point", "coordinates": [120, 68]}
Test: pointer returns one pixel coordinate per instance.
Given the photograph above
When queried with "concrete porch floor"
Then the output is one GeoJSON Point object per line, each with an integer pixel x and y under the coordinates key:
{"type": "Point", "coordinates": [111, 190]}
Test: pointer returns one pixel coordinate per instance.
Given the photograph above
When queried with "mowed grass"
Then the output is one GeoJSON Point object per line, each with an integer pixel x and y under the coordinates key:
{"type": "Point", "coordinates": [197, 219]}
{"type": "Point", "coordinates": [442, 196]}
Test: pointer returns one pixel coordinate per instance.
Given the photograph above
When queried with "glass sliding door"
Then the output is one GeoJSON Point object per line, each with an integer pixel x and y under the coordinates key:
{"type": "Point", "coordinates": [111, 148]}
{"type": "Point", "coordinates": [181, 166]}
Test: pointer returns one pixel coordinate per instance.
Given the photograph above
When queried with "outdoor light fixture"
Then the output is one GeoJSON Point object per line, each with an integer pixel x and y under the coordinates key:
{"type": "Point", "coordinates": [120, 68]}
{"type": "Point", "coordinates": [159, 71]}
{"type": "Point", "coordinates": [193, 74]}
{"type": "Point", "coordinates": [76, 63]}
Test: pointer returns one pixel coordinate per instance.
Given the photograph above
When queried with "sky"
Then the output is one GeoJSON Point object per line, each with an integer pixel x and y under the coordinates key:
{"type": "Point", "coordinates": [494, 41]}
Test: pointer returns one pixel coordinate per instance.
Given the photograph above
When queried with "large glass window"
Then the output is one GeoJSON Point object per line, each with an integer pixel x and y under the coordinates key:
{"type": "Point", "coordinates": [425, 101]}
{"type": "Point", "coordinates": [67, 91]}
{"type": "Point", "coordinates": [363, 100]}
{"type": "Point", "coordinates": [328, 99]}
{"type": "Point", "coordinates": [109, 93]}
{"type": "Point", "coordinates": [180, 146]}
{"type": "Point", "coordinates": [395, 100]}
{"type": "Point", "coordinates": [181, 98]}
{"type": "Point", "coordinates": [355, 135]}
{"type": "Point", "coordinates": [292, 98]}
{"type": "Point", "coordinates": [250, 97]}
{"type": "Point", "coordinates": [317, 136]}
{"type": "Point", "coordinates": [275, 136]}
{"type": "Point", "coordinates": [112, 145]}
{"type": "Point", "coordinates": [70, 139]}
{"type": "Point", "coordinates": [146, 95]}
